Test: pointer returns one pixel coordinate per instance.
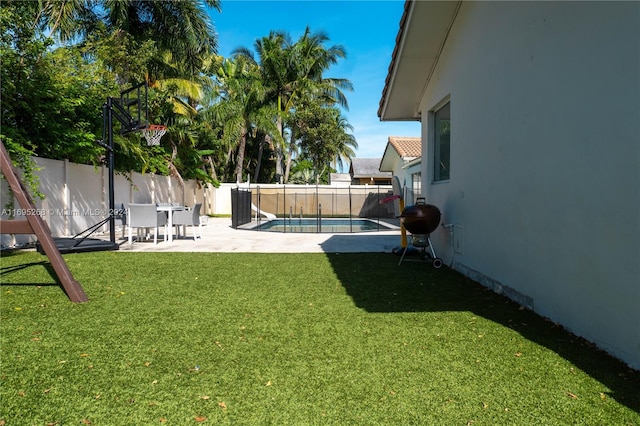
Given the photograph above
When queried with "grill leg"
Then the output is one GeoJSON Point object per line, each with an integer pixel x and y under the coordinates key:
{"type": "Point", "coordinates": [403, 253]}
{"type": "Point", "coordinates": [436, 262]}
{"type": "Point", "coordinates": [433, 253]}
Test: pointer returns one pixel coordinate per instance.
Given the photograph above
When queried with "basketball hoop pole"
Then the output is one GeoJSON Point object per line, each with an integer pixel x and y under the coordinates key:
{"type": "Point", "coordinates": [108, 127]}
{"type": "Point", "coordinates": [121, 110]}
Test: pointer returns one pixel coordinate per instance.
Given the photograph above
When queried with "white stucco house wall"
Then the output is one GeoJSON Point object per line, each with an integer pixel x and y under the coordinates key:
{"type": "Point", "coordinates": [402, 158]}
{"type": "Point", "coordinates": [530, 117]}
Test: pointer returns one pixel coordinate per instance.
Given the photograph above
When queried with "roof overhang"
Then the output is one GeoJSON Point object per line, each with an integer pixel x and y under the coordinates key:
{"type": "Point", "coordinates": [424, 28]}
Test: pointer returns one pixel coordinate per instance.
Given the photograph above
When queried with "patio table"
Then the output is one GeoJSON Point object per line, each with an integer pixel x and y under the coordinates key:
{"type": "Point", "coordinates": [169, 208]}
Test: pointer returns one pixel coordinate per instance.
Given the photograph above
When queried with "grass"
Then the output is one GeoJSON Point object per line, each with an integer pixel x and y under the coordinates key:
{"type": "Point", "coordinates": [288, 339]}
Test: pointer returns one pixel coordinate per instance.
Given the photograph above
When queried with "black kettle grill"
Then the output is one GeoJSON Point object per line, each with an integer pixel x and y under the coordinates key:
{"type": "Point", "coordinates": [420, 220]}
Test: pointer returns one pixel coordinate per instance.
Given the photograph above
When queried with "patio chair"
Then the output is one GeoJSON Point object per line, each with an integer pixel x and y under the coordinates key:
{"type": "Point", "coordinates": [121, 215]}
{"type": "Point", "coordinates": [145, 216]}
{"type": "Point", "coordinates": [190, 217]}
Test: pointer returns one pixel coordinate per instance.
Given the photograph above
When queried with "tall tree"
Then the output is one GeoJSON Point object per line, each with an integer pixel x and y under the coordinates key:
{"type": "Point", "coordinates": [241, 107]}
{"type": "Point", "coordinates": [51, 98]}
{"type": "Point", "coordinates": [276, 75]}
{"type": "Point", "coordinates": [166, 43]}
{"type": "Point", "coordinates": [324, 138]}
{"type": "Point", "coordinates": [181, 30]}
{"type": "Point", "coordinates": [311, 59]}
{"type": "Point", "coordinates": [184, 43]}
{"type": "Point", "coordinates": [345, 145]}
{"type": "Point", "coordinates": [292, 73]}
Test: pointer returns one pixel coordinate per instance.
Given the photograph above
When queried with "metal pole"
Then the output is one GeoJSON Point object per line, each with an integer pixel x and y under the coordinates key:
{"type": "Point", "coordinates": [350, 222]}
{"type": "Point", "coordinates": [258, 213]}
{"type": "Point", "coordinates": [111, 160]}
{"type": "Point", "coordinates": [378, 207]}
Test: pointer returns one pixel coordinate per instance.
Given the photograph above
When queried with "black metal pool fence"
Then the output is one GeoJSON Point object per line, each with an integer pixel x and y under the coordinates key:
{"type": "Point", "coordinates": [309, 201]}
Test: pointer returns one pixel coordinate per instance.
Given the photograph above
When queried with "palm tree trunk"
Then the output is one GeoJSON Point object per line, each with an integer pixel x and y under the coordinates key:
{"type": "Point", "coordinates": [279, 152]}
{"type": "Point", "coordinates": [260, 151]}
{"type": "Point", "coordinates": [212, 166]}
{"type": "Point", "coordinates": [292, 147]}
{"type": "Point", "coordinates": [173, 170]}
{"type": "Point", "coordinates": [319, 175]}
{"type": "Point", "coordinates": [240, 159]}
{"type": "Point", "coordinates": [227, 166]}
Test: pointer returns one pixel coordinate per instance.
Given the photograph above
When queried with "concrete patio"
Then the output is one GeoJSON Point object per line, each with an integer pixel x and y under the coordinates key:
{"type": "Point", "coordinates": [219, 236]}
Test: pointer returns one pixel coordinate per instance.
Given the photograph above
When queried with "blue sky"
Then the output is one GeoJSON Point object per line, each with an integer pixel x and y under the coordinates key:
{"type": "Point", "coordinates": [366, 29]}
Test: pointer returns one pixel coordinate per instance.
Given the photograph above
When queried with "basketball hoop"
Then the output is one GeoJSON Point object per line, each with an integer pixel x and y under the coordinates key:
{"type": "Point", "coordinates": [153, 133]}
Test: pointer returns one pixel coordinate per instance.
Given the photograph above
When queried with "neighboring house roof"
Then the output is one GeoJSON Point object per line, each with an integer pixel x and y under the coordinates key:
{"type": "Point", "coordinates": [367, 167]}
{"type": "Point", "coordinates": [405, 147]}
{"type": "Point", "coordinates": [339, 178]}
{"type": "Point", "coordinates": [417, 49]}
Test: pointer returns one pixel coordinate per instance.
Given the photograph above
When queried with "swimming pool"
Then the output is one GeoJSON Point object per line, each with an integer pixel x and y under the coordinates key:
{"type": "Point", "coordinates": [322, 226]}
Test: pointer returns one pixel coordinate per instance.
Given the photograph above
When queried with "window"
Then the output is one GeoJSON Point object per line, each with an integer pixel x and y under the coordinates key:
{"type": "Point", "coordinates": [442, 150]}
{"type": "Point", "coordinates": [416, 186]}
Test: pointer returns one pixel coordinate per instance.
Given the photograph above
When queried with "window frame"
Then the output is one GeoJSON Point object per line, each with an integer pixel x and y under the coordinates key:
{"type": "Point", "coordinates": [416, 185]}
{"type": "Point", "coordinates": [440, 115]}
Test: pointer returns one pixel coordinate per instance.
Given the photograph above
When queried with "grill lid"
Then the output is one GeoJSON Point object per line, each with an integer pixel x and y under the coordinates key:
{"type": "Point", "coordinates": [421, 218]}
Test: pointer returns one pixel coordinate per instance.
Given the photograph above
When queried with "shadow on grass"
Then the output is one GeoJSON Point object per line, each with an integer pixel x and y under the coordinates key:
{"type": "Point", "coordinates": [26, 270]}
{"type": "Point", "coordinates": [377, 284]}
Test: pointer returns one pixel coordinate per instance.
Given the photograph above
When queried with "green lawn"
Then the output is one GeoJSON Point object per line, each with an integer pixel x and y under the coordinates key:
{"type": "Point", "coordinates": [288, 339]}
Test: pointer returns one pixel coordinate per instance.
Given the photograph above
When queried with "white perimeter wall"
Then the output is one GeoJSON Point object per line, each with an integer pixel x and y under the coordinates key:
{"type": "Point", "coordinates": [76, 196]}
{"type": "Point", "coordinates": [545, 160]}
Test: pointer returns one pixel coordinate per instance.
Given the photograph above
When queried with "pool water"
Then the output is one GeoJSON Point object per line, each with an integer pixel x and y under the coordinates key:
{"type": "Point", "coordinates": [322, 226]}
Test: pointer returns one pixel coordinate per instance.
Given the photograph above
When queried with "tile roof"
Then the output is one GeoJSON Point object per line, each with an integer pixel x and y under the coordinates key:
{"type": "Point", "coordinates": [407, 148]}
{"type": "Point", "coordinates": [367, 167]}
{"type": "Point", "coordinates": [424, 28]}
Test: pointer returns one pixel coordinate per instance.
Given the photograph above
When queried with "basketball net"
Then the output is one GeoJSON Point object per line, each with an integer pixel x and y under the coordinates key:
{"type": "Point", "coordinates": [153, 133]}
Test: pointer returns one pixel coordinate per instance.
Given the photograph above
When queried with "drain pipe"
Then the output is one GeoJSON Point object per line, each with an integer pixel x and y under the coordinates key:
{"type": "Point", "coordinates": [450, 227]}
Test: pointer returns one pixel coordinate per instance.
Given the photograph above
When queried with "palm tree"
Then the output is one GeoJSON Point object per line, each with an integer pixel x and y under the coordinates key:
{"type": "Point", "coordinates": [311, 59]}
{"type": "Point", "coordinates": [66, 18]}
{"type": "Point", "coordinates": [292, 73]}
{"type": "Point", "coordinates": [273, 64]}
{"type": "Point", "coordinates": [345, 146]}
{"type": "Point", "coordinates": [240, 107]}
{"type": "Point", "coordinates": [181, 30]}
{"type": "Point", "coordinates": [168, 43]}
